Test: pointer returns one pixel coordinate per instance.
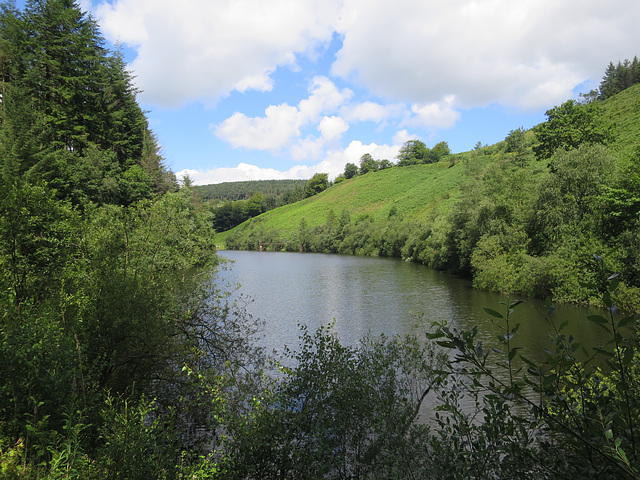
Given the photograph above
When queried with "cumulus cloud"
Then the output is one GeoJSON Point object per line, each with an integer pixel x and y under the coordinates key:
{"type": "Point", "coordinates": [372, 111]}
{"type": "Point", "coordinates": [203, 49]}
{"type": "Point", "coordinates": [312, 148]}
{"type": "Point", "coordinates": [333, 163]}
{"type": "Point", "coordinates": [438, 114]}
{"type": "Point", "coordinates": [243, 171]}
{"type": "Point", "coordinates": [332, 127]}
{"type": "Point", "coordinates": [529, 53]}
{"type": "Point", "coordinates": [417, 73]}
{"type": "Point", "coordinates": [403, 136]}
{"type": "Point", "coordinates": [271, 132]}
{"type": "Point", "coordinates": [281, 123]}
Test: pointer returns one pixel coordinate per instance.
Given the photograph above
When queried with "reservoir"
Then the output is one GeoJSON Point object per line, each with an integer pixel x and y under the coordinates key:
{"type": "Point", "coordinates": [372, 295]}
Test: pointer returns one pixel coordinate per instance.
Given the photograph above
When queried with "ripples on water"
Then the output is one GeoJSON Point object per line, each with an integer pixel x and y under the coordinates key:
{"type": "Point", "coordinates": [377, 295]}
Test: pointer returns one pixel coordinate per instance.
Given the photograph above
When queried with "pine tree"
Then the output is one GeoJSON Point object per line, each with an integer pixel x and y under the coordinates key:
{"type": "Point", "coordinates": [69, 114]}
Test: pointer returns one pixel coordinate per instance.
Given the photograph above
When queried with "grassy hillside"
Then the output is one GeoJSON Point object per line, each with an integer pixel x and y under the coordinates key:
{"type": "Point", "coordinates": [413, 191]}
{"type": "Point", "coordinates": [622, 113]}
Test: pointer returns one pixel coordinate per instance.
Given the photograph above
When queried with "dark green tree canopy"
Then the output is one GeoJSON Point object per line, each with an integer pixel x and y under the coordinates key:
{"type": "Point", "coordinates": [413, 152]}
{"type": "Point", "coordinates": [69, 113]}
{"type": "Point", "coordinates": [568, 126]}
{"type": "Point", "coordinates": [368, 164]}
{"type": "Point", "coordinates": [318, 183]}
{"type": "Point", "coordinates": [619, 77]}
{"type": "Point", "coordinates": [350, 170]}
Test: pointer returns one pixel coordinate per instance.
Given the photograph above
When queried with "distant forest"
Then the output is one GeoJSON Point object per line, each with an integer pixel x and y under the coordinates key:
{"type": "Point", "coordinates": [234, 202]}
{"type": "Point", "coordinates": [230, 191]}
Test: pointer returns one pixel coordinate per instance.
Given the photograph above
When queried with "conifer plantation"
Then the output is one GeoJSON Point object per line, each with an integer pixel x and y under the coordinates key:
{"type": "Point", "coordinates": [121, 356]}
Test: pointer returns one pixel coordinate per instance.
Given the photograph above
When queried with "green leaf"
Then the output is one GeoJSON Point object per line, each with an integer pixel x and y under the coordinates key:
{"type": "Point", "coordinates": [606, 299]}
{"type": "Point", "coordinates": [628, 355]}
{"type": "Point", "coordinates": [597, 319]}
{"type": "Point", "coordinates": [626, 321]}
{"type": "Point", "coordinates": [433, 336]}
{"type": "Point", "coordinates": [613, 285]}
{"type": "Point", "coordinates": [513, 352]}
{"type": "Point", "coordinates": [493, 313]}
{"type": "Point", "coordinates": [547, 302]}
{"type": "Point", "coordinates": [603, 352]}
{"type": "Point", "coordinates": [528, 362]}
{"type": "Point", "coordinates": [515, 303]}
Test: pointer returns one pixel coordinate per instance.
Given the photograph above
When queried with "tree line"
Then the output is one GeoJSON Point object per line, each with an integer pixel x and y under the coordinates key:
{"type": "Point", "coordinates": [412, 152]}
{"type": "Point", "coordinates": [243, 190]}
{"type": "Point", "coordinates": [619, 77]}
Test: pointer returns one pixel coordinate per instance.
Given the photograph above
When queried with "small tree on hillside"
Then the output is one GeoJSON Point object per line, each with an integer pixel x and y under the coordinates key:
{"type": "Point", "coordinates": [318, 183]}
{"type": "Point", "coordinates": [413, 152]}
{"type": "Point", "coordinates": [367, 164]}
{"type": "Point", "coordinates": [350, 170]}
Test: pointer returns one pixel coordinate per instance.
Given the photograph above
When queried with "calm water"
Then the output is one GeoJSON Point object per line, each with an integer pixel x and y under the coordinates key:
{"type": "Point", "coordinates": [378, 295]}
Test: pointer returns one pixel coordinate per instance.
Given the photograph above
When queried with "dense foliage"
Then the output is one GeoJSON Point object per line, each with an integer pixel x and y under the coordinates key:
{"type": "Point", "coordinates": [105, 267]}
{"type": "Point", "coordinates": [232, 213]}
{"type": "Point", "coordinates": [68, 113]}
{"type": "Point", "coordinates": [619, 77]}
{"type": "Point", "coordinates": [230, 191]}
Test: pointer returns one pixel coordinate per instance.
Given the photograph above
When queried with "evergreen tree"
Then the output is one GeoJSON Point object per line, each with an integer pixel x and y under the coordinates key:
{"type": "Point", "coordinates": [69, 114]}
{"type": "Point", "coordinates": [619, 77]}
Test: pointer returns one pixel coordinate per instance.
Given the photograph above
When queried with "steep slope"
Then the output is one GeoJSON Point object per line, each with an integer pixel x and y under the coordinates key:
{"type": "Point", "coordinates": [413, 191]}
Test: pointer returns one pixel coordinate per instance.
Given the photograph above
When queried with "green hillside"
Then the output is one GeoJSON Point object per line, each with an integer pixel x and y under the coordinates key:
{"type": "Point", "coordinates": [374, 194]}
{"type": "Point", "coordinates": [515, 223]}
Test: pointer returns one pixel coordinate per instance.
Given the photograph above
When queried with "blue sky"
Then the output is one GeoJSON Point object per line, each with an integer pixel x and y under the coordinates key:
{"type": "Point", "coordinates": [260, 89]}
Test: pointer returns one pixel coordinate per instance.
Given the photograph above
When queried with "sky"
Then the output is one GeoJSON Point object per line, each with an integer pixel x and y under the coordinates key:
{"type": "Point", "coordinates": [273, 89]}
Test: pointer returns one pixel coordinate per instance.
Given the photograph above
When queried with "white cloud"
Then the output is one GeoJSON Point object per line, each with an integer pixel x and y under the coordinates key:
{"type": "Point", "coordinates": [281, 123]}
{"type": "Point", "coordinates": [333, 164]}
{"type": "Point", "coordinates": [527, 53]}
{"type": "Point", "coordinates": [325, 97]}
{"type": "Point", "coordinates": [372, 111]}
{"type": "Point", "coordinates": [403, 136]}
{"type": "Point", "coordinates": [312, 148]}
{"type": "Point", "coordinates": [438, 114]}
{"type": "Point", "coordinates": [243, 171]}
{"type": "Point", "coordinates": [271, 132]}
{"type": "Point", "coordinates": [203, 49]}
{"type": "Point", "coordinates": [332, 127]}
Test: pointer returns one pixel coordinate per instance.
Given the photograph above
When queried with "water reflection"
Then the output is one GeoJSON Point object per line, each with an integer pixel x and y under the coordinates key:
{"type": "Point", "coordinates": [379, 295]}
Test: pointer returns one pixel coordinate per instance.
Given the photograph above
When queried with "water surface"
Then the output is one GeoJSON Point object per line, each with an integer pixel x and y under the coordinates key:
{"type": "Point", "coordinates": [379, 295]}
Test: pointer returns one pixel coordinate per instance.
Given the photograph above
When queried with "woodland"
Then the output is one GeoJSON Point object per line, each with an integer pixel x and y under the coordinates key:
{"type": "Point", "coordinates": [123, 357]}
